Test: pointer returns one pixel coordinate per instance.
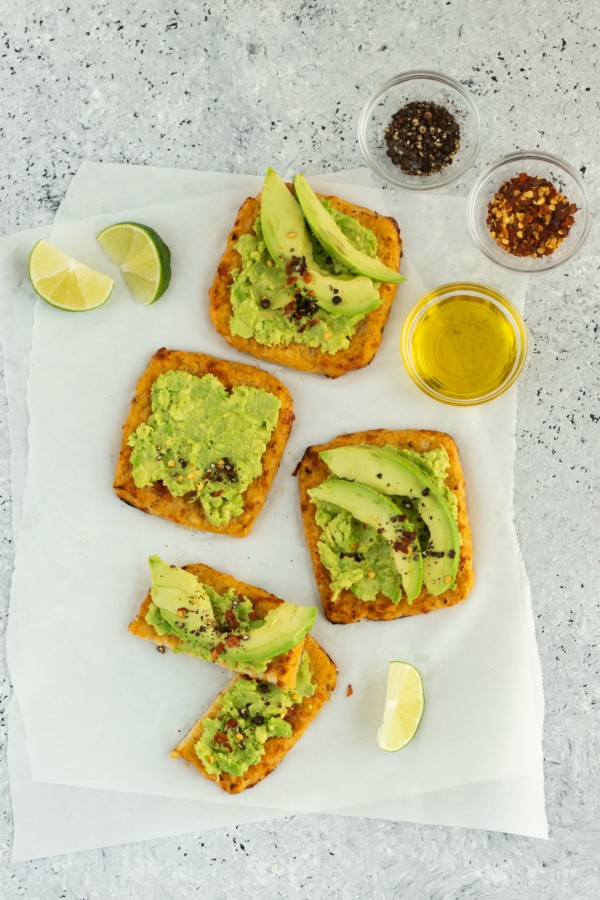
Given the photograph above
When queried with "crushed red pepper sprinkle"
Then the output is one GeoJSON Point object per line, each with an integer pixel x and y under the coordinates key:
{"type": "Point", "coordinates": [349, 691]}
{"type": "Point", "coordinates": [528, 216]}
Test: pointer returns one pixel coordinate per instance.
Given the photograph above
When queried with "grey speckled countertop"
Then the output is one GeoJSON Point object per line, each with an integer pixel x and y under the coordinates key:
{"type": "Point", "coordinates": [239, 85]}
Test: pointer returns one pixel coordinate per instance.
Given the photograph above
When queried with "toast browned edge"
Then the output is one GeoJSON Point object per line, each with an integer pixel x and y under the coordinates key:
{"type": "Point", "coordinates": [367, 337]}
{"type": "Point", "coordinates": [156, 499]}
{"type": "Point", "coordinates": [323, 672]}
{"type": "Point", "coordinates": [348, 608]}
{"type": "Point", "coordinates": [282, 669]}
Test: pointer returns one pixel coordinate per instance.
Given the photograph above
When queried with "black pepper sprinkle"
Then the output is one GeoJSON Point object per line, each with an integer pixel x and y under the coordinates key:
{"type": "Point", "coordinates": [425, 492]}
{"type": "Point", "coordinates": [451, 553]}
{"type": "Point", "coordinates": [263, 688]}
{"type": "Point", "coordinates": [422, 138]}
{"type": "Point", "coordinates": [265, 303]}
{"type": "Point", "coordinates": [161, 648]}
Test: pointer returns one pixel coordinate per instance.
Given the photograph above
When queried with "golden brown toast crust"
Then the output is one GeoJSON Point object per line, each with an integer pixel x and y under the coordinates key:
{"type": "Point", "coordinates": [348, 608]}
{"type": "Point", "coordinates": [323, 672]}
{"type": "Point", "coordinates": [156, 499]}
{"type": "Point", "coordinates": [282, 670]}
{"type": "Point", "coordinates": [367, 337]}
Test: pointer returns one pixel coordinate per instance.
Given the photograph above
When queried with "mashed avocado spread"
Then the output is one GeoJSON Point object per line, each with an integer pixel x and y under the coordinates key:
{"type": "Point", "coordinates": [250, 713]}
{"type": "Point", "coordinates": [264, 307]}
{"type": "Point", "coordinates": [202, 442]}
{"type": "Point", "coordinates": [356, 556]}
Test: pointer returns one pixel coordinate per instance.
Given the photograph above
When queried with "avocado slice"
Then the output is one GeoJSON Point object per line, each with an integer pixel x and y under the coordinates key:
{"type": "Point", "coordinates": [388, 472]}
{"type": "Point", "coordinates": [283, 629]}
{"type": "Point", "coordinates": [381, 513]}
{"type": "Point", "coordinates": [174, 589]}
{"type": "Point", "coordinates": [330, 235]}
{"type": "Point", "coordinates": [289, 245]}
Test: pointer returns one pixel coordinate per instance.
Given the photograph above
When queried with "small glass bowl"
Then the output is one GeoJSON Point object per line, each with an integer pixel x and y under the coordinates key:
{"type": "Point", "coordinates": [436, 297]}
{"type": "Point", "coordinates": [395, 93]}
{"type": "Point", "coordinates": [541, 165]}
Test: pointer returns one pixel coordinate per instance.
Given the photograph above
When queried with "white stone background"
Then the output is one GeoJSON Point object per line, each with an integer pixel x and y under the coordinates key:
{"type": "Point", "coordinates": [239, 85]}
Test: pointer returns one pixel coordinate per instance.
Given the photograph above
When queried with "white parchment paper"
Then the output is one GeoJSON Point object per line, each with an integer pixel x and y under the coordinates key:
{"type": "Point", "coordinates": [108, 708]}
{"type": "Point", "coordinates": [510, 804]}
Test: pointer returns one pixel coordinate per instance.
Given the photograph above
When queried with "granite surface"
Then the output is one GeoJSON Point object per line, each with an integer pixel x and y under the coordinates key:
{"type": "Point", "coordinates": [239, 85]}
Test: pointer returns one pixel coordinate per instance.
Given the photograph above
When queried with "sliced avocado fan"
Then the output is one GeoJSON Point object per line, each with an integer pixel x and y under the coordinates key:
{"type": "Point", "coordinates": [173, 589]}
{"type": "Point", "coordinates": [289, 245]}
{"type": "Point", "coordinates": [332, 238]}
{"type": "Point", "coordinates": [389, 472]}
{"type": "Point", "coordinates": [381, 513]}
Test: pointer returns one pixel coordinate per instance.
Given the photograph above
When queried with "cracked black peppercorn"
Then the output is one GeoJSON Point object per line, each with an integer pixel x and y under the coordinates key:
{"type": "Point", "coordinates": [422, 138]}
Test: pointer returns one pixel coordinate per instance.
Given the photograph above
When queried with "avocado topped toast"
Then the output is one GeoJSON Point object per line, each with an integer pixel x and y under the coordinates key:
{"type": "Point", "coordinates": [209, 614]}
{"type": "Point", "coordinates": [386, 524]}
{"type": "Point", "coordinates": [294, 295]}
{"type": "Point", "coordinates": [252, 725]}
{"type": "Point", "coordinates": [203, 441]}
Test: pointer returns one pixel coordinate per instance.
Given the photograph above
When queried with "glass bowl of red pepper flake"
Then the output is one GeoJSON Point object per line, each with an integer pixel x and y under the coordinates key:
{"type": "Point", "coordinates": [529, 212]}
{"type": "Point", "coordinates": [419, 130]}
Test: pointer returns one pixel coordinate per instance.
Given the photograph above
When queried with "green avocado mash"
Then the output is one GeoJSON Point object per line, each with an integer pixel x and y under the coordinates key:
{"type": "Point", "coordinates": [251, 712]}
{"type": "Point", "coordinates": [356, 556]}
{"type": "Point", "coordinates": [260, 280]}
{"type": "Point", "coordinates": [204, 443]}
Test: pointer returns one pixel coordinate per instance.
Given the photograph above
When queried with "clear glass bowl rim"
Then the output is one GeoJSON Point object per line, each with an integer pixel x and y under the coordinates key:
{"type": "Point", "coordinates": [536, 156]}
{"type": "Point", "coordinates": [413, 75]}
{"type": "Point", "coordinates": [436, 296]}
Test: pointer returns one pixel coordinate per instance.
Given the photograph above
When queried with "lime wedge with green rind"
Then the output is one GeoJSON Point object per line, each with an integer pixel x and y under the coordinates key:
{"type": "Point", "coordinates": [404, 705]}
{"type": "Point", "coordinates": [65, 282]}
{"type": "Point", "coordinates": [143, 257]}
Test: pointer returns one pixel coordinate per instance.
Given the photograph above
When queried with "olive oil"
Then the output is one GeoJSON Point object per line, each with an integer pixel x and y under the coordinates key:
{"type": "Point", "coordinates": [464, 347]}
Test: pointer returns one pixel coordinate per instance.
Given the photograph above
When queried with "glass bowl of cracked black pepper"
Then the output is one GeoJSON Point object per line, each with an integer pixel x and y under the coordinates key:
{"type": "Point", "coordinates": [529, 212]}
{"type": "Point", "coordinates": [419, 130]}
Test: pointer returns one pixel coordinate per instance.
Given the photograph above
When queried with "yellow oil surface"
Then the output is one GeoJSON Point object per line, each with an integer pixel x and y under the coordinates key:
{"type": "Point", "coordinates": [464, 347]}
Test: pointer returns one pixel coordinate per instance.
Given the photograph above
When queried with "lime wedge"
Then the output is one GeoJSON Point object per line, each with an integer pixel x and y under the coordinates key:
{"type": "Point", "coordinates": [143, 256]}
{"type": "Point", "coordinates": [404, 704]}
{"type": "Point", "coordinates": [64, 282]}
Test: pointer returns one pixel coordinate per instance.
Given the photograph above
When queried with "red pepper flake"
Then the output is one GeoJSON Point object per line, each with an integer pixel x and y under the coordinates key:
{"type": "Point", "coordinates": [231, 723]}
{"type": "Point", "coordinates": [349, 691]}
{"type": "Point", "coordinates": [290, 280]}
{"type": "Point", "coordinates": [289, 309]}
{"type": "Point", "coordinates": [216, 494]}
{"type": "Point", "coordinates": [231, 619]}
{"type": "Point", "coordinates": [307, 277]}
{"type": "Point", "coordinates": [529, 217]}
{"type": "Point", "coordinates": [216, 651]}
{"type": "Point", "coordinates": [221, 738]}
{"type": "Point", "coordinates": [314, 321]}
{"type": "Point", "coordinates": [233, 640]}
{"type": "Point", "coordinates": [297, 469]}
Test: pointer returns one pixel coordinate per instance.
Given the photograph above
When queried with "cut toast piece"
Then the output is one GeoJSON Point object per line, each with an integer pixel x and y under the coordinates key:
{"type": "Point", "coordinates": [156, 499]}
{"type": "Point", "coordinates": [367, 337]}
{"type": "Point", "coordinates": [324, 674]}
{"type": "Point", "coordinates": [282, 670]}
{"type": "Point", "coordinates": [347, 607]}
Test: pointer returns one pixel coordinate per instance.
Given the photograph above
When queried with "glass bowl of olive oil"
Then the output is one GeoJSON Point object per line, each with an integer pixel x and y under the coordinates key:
{"type": "Point", "coordinates": [464, 343]}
